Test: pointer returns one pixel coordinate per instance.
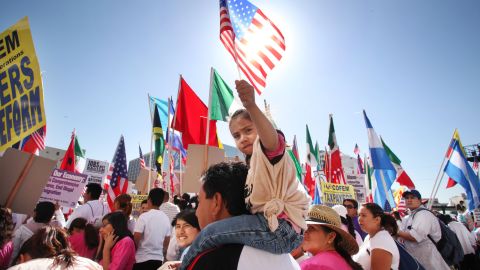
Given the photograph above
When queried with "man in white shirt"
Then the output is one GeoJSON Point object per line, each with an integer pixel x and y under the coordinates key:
{"type": "Point", "coordinates": [93, 209]}
{"type": "Point", "coordinates": [170, 209]}
{"type": "Point", "coordinates": [466, 239]}
{"type": "Point", "coordinates": [152, 233]}
{"type": "Point", "coordinates": [415, 232]}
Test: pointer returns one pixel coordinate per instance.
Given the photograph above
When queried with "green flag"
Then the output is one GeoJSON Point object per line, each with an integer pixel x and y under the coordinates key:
{"type": "Point", "coordinates": [298, 167]}
{"type": "Point", "coordinates": [159, 141]}
{"type": "Point", "coordinates": [390, 154]}
{"type": "Point", "coordinates": [223, 103]}
{"type": "Point", "coordinates": [311, 153]}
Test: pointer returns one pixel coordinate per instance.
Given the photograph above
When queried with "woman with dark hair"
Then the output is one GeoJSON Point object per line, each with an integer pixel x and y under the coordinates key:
{"type": "Point", "coordinates": [48, 248]}
{"type": "Point", "coordinates": [329, 244]}
{"type": "Point", "coordinates": [83, 238]}
{"type": "Point", "coordinates": [186, 229]}
{"type": "Point", "coordinates": [6, 234]}
{"type": "Point", "coordinates": [123, 202]}
{"type": "Point", "coordinates": [118, 248]}
{"type": "Point", "coordinates": [379, 250]}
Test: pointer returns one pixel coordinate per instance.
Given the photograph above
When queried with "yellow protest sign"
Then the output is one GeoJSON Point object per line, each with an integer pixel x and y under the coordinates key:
{"type": "Point", "coordinates": [137, 204]}
{"type": "Point", "coordinates": [333, 194]}
{"type": "Point", "coordinates": [21, 92]}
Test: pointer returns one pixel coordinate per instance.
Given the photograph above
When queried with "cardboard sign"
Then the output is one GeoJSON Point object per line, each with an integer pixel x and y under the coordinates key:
{"type": "Point", "coordinates": [64, 187]}
{"type": "Point", "coordinates": [333, 194]}
{"type": "Point", "coordinates": [137, 204]}
{"type": "Point", "coordinates": [196, 165]}
{"type": "Point", "coordinates": [21, 94]}
{"type": "Point", "coordinates": [358, 183]}
{"type": "Point", "coordinates": [141, 185]}
{"type": "Point", "coordinates": [96, 170]}
{"type": "Point", "coordinates": [12, 164]}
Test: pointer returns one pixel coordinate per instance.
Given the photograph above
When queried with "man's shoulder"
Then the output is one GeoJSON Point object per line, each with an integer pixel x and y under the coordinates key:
{"type": "Point", "coordinates": [237, 256]}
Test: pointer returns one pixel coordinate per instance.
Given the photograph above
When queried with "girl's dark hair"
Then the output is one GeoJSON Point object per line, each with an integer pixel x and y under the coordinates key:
{"type": "Point", "coordinates": [386, 221]}
{"type": "Point", "coordinates": [125, 203]}
{"type": "Point", "coordinates": [120, 225]}
{"type": "Point", "coordinates": [6, 226]}
{"type": "Point", "coordinates": [187, 215]}
{"type": "Point", "coordinates": [340, 250]}
{"type": "Point", "coordinates": [90, 233]}
{"type": "Point", "coordinates": [348, 221]}
{"type": "Point", "coordinates": [240, 113]}
{"type": "Point", "coordinates": [50, 242]}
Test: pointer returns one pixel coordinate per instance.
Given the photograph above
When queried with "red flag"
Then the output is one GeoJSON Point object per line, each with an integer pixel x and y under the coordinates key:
{"type": "Point", "coordinates": [309, 181]}
{"type": "Point", "coordinates": [336, 168]}
{"type": "Point", "coordinates": [191, 118]}
{"type": "Point", "coordinates": [326, 165]}
{"type": "Point", "coordinates": [68, 163]}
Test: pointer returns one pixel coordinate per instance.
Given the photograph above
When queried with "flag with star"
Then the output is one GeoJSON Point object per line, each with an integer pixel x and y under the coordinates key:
{"type": "Point", "coordinates": [119, 180]}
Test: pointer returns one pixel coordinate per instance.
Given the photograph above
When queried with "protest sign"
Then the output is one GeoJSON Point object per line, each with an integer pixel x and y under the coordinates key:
{"type": "Point", "coordinates": [21, 92]}
{"type": "Point", "coordinates": [196, 165]}
{"type": "Point", "coordinates": [23, 177]}
{"type": "Point", "coordinates": [65, 187]}
{"type": "Point", "coordinates": [358, 183]}
{"type": "Point", "coordinates": [333, 194]}
{"type": "Point", "coordinates": [96, 170]}
{"type": "Point", "coordinates": [137, 203]}
{"type": "Point", "coordinates": [141, 184]}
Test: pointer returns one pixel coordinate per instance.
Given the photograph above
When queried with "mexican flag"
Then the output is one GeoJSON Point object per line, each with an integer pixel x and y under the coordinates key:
{"type": "Point", "coordinates": [311, 153]}
{"type": "Point", "coordinates": [402, 177]}
{"type": "Point", "coordinates": [74, 158]}
{"type": "Point", "coordinates": [222, 101]}
{"type": "Point", "coordinates": [336, 169]}
{"type": "Point", "coordinates": [80, 159]}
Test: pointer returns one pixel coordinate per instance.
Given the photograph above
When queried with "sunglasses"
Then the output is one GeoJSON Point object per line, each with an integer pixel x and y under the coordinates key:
{"type": "Point", "coordinates": [348, 206]}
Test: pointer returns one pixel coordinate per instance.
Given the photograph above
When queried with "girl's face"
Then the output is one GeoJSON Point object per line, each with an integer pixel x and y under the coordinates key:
{"type": "Point", "coordinates": [185, 233]}
{"type": "Point", "coordinates": [244, 133]}
{"type": "Point", "coordinates": [106, 228]}
{"type": "Point", "coordinates": [316, 240]}
{"type": "Point", "coordinates": [367, 221]}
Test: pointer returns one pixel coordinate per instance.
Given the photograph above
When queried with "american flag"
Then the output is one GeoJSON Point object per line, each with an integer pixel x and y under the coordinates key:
{"type": "Point", "coordinates": [34, 142]}
{"type": "Point", "coordinates": [119, 180]}
{"type": "Point", "coordinates": [356, 150]}
{"type": "Point", "coordinates": [142, 161]}
{"type": "Point", "coordinates": [251, 38]}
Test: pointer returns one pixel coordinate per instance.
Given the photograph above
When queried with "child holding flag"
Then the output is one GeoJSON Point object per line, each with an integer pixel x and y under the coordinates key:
{"type": "Point", "coordinates": [272, 193]}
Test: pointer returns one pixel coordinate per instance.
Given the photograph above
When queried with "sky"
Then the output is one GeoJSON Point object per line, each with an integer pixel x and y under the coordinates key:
{"type": "Point", "coordinates": [414, 66]}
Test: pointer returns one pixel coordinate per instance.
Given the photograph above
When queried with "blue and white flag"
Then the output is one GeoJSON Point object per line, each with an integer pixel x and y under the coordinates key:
{"type": "Point", "coordinates": [383, 169]}
{"type": "Point", "coordinates": [459, 170]}
{"type": "Point", "coordinates": [317, 199]}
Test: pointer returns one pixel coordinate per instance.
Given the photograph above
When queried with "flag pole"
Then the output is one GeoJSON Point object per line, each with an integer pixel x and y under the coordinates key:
{"type": "Point", "coordinates": [440, 175]}
{"type": "Point", "coordinates": [207, 137]}
{"type": "Point", "coordinates": [173, 127]}
{"type": "Point", "coordinates": [169, 141]}
{"type": "Point", "coordinates": [151, 139]}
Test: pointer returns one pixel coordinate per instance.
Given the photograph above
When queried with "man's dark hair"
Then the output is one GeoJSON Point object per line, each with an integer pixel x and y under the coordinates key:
{"type": "Point", "coordinates": [44, 212]}
{"type": "Point", "coordinates": [354, 202]}
{"type": "Point", "coordinates": [227, 179]}
{"type": "Point", "coordinates": [144, 202]}
{"type": "Point", "coordinates": [156, 196]}
{"type": "Point", "coordinates": [94, 190]}
{"type": "Point", "coordinates": [445, 218]}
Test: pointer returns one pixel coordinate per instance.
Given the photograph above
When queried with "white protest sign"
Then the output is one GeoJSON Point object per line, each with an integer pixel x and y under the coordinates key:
{"type": "Point", "coordinates": [96, 170]}
{"type": "Point", "coordinates": [64, 187]}
{"type": "Point", "coordinates": [358, 183]}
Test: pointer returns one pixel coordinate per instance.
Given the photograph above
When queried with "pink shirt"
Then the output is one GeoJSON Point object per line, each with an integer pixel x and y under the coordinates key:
{"type": "Point", "coordinates": [123, 254]}
{"type": "Point", "coordinates": [77, 241]}
{"type": "Point", "coordinates": [327, 260]}
{"type": "Point", "coordinates": [5, 254]}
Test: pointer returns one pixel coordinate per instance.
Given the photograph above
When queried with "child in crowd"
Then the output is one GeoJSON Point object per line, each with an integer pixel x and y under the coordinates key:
{"type": "Point", "coordinates": [272, 193]}
{"type": "Point", "coordinates": [83, 238]}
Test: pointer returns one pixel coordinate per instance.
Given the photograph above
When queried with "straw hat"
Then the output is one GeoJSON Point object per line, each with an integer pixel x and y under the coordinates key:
{"type": "Point", "coordinates": [326, 216]}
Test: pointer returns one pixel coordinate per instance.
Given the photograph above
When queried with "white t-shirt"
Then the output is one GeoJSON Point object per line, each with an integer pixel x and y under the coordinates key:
{"type": "Point", "coordinates": [265, 260]}
{"type": "Point", "coordinates": [80, 263]}
{"type": "Point", "coordinates": [91, 210]}
{"type": "Point", "coordinates": [467, 240]}
{"type": "Point", "coordinates": [381, 240]}
{"type": "Point", "coordinates": [155, 226]}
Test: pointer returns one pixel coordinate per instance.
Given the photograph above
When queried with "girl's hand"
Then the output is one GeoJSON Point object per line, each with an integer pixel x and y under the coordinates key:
{"type": "Point", "coordinates": [246, 93]}
{"type": "Point", "coordinates": [110, 241]}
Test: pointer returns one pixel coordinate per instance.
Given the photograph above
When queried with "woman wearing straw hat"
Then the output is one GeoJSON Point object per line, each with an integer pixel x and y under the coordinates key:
{"type": "Point", "coordinates": [330, 245]}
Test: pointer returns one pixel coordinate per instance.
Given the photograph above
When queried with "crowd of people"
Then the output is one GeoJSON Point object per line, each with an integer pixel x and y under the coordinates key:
{"type": "Point", "coordinates": [247, 215]}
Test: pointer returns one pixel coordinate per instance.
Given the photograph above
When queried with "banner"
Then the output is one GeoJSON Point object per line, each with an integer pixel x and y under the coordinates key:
{"type": "Point", "coordinates": [358, 183]}
{"type": "Point", "coordinates": [333, 194]}
{"type": "Point", "coordinates": [64, 187]}
{"type": "Point", "coordinates": [21, 92]}
{"type": "Point", "coordinates": [96, 170]}
{"type": "Point", "coordinates": [137, 204]}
